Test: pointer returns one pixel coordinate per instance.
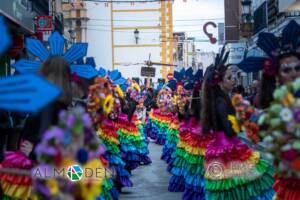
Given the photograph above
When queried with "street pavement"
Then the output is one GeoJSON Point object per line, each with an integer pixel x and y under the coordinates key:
{"type": "Point", "coordinates": [151, 182]}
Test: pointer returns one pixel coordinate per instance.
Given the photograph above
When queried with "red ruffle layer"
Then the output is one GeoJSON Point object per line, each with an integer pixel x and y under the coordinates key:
{"type": "Point", "coordinates": [287, 188]}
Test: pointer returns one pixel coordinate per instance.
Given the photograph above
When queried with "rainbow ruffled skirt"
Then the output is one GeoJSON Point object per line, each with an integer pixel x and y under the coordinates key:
{"type": "Point", "coordinates": [134, 148]}
{"type": "Point", "coordinates": [234, 171]}
{"type": "Point", "coordinates": [110, 138]}
{"type": "Point", "coordinates": [158, 125]}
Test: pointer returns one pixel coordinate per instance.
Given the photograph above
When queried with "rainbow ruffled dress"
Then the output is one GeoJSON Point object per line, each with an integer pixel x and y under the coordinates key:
{"type": "Point", "coordinates": [108, 134]}
{"type": "Point", "coordinates": [134, 149]}
{"type": "Point", "coordinates": [172, 140]}
{"type": "Point", "coordinates": [158, 124]}
{"type": "Point", "coordinates": [235, 172]}
{"type": "Point", "coordinates": [16, 186]}
{"type": "Point", "coordinates": [188, 166]}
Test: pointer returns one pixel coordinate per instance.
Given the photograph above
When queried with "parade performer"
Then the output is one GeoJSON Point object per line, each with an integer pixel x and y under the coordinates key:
{"type": "Point", "coordinates": [233, 170]}
{"type": "Point", "coordinates": [54, 69]}
{"type": "Point", "coordinates": [282, 140]}
{"type": "Point", "coordinates": [133, 145]}
{"type": "Point", "coordinates": [280, 68]}
{"type": "Point", "coordinates": [160, 118]}
{"type": "Point", "coordinates": [101, 105]}
{"type": "Point", "coordinates": [183, 81]}
{"type": "Point", "coordinates": [188, 166]}
{"type": "Point", "coordinates": [281, 64]}
{"type": "Point", "coordinates": [72, 146]}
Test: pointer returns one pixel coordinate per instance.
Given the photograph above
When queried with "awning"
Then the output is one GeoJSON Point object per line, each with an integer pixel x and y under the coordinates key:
{"type": "Point", "coordinates": [289, 5]}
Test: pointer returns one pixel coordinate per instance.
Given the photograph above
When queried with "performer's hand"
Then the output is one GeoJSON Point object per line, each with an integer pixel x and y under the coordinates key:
{"type": "Point", "coordinates": [26, 147]}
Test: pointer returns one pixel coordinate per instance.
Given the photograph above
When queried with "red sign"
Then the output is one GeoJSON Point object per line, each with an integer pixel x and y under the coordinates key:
{"type": "Point", "coordinates": [18, 45]}
{"type": "Point", "coordinates": [170, 76]}
{"type": "Point", "coordinates": [44, 23]}
{"type": "Point", "coordinates": [212, 39]}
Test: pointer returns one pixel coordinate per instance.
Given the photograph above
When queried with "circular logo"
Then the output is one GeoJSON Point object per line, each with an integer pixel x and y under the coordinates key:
{"type": "Point", "coordinates": [215, 170]}
{"type": "Point", "coordinates": [74, 173]}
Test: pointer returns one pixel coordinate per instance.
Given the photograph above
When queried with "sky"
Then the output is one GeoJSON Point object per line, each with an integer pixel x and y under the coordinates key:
{"type": "Point", "coordinates": [190, 16]}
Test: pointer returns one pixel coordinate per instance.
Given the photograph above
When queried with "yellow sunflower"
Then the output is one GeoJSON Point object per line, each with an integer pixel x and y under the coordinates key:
{"type": "Point", "coordinates": [234, 123]}
{"type": "Point", "coordinates": [53, 186]}
{"type": "Point", "coordinates": [119, 91]}
{"type": "Point", "coordinates": [137, 87]}
{"type": "Point", "coordinates": [108, 104]}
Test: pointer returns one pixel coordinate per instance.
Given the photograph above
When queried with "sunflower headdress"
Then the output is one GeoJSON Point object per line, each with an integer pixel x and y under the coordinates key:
{"type": "Point", "coordinates": [100, 98]}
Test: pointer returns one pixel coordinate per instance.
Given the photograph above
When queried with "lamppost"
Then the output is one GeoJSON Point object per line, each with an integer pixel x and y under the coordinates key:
{"type": "Point", "coordinates": [136, 35]}
{"type": "Point", "coordinates": [246, 26]}
{"type": "Point", "coordinates": [72, 33]}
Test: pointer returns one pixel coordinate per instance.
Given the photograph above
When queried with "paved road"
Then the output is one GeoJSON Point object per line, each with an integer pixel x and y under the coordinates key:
{"type": "Point", "coordinates": [151, 182]}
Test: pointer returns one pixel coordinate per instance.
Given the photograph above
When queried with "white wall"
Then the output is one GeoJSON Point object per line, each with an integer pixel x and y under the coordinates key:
{"type": "Point", "coordinates": [98, 34]}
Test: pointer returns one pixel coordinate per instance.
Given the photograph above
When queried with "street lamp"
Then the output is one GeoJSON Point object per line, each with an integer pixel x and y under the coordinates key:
{"type": "Point", "coordinates": [246, 6]}
{"type": "Point", "coordinates": [72, 33]}
{"type": "Point", "coordinates": [246, 25]}
{"type": "Point", "coordinates": [136, 35]}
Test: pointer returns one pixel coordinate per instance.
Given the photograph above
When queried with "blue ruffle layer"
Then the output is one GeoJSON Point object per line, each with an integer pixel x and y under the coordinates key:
{"type": "Point", "coordinates": [176, 184]}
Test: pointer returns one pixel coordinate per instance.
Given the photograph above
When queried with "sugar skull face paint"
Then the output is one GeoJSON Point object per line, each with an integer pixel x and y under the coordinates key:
{"type": "Point", "coordinates": [289, 69]}
{"type": "Point", "coordinates": [165, 100]}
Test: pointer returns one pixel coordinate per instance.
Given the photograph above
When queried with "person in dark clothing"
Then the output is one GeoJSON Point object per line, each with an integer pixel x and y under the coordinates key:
{"type": "Point", "coordinates": [150, 100]}
{"type": "Point", "coordinates": [217, 104]}
{"type": "Point", "coordinates": [218, 120]}
{"type": "Point", "coordinates": [57, 71]}
{"type": "Point", "coordinates": [5, 129]}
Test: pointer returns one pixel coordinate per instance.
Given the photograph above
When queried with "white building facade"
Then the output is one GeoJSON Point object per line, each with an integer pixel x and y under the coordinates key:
{"type": "Point", "coordinates": [113, 43]}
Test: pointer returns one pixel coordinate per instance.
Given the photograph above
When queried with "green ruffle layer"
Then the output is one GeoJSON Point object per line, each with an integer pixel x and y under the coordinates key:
{"type": "Point", "coordinates": [189, 162]}
{"type": "Point", "coordinates": [172, 135]}
{"type": "Point", "coordinates": [129, 139]}
{"type": "Point", "coordinates": [106, 187]}
{"type": "Point", "coordinates": [244, 192]}
{"type": "Point", "coordinates": [190, 158]}
{"type": "Point", "coordinates": [264, 182]}
{"type": "Point", "coordinates": [111, 147]}
{"type": "Point", "coordinates": [161, 125]}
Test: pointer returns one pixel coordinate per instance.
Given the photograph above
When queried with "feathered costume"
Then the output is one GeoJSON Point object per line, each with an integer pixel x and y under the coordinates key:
{"type": "Point", "coordinates": [183, 83]}
{"type": "Point", "coordinates": [233, 170]}
{"type": "Point", "coordinates": [287, 177]}
{"type": "Point", "coordinates": [18, 186]}
{"type": "Point", "coordinates": [160, 119]}
{"type": "Point", "coordinates": [134, 147]}
{"type": "Point", "coordinates": [282, 140]}
{"type": "Point", "coordinates": [101, 104]}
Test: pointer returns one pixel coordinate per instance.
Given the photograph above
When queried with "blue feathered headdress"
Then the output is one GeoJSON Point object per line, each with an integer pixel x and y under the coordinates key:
{"type": "Point", "coordinates": [274, 48]}
{"type": "Point", "coordinates": [56, 44]}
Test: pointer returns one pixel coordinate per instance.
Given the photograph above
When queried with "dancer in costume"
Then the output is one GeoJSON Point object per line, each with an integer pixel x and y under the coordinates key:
{"type": "Point", "coordinates": [181, 101]}
{"type": "Point", "coordinates": [280, 67]}
{"type": "Point", "coordinates": [188, 166]}
{"type": "Point", "coordinates": [56, 70]}
{"type": "Point", "coordinates": [233, 170]}
{"type": "Point", "coordinates": [73, 142]}
{"type": "Point", "coordinates": [160, 118]}
{"type": "Point", "coordinates": [282, 140]}
{"type": "Point", "coordinates": [101, 105]}
{"type": "Point", "coordinates": [133, 145]}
